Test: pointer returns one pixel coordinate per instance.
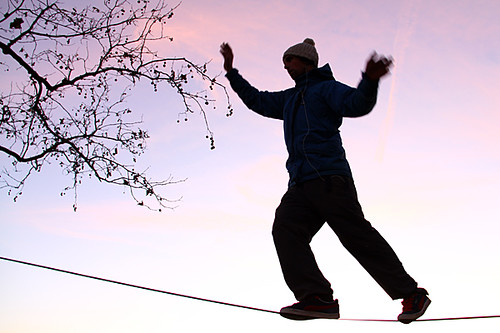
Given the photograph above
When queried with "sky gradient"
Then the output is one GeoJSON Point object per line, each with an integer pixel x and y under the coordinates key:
{"type": "Point", "coordinates": [426, 163]}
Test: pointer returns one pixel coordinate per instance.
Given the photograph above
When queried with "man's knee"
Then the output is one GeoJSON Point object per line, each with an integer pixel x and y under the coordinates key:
{"type": "Point", "coordinates": [288, 231]}
{"type": "Point", "coordinates": [279, 229]}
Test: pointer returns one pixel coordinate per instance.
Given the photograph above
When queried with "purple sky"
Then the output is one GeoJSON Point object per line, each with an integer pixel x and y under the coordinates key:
{"type": "Point", "coordinates": [426, 163]}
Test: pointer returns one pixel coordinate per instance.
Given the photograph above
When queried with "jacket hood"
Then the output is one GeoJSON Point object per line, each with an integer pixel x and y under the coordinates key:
{"type": "Point", "coordinates": [319, 74]}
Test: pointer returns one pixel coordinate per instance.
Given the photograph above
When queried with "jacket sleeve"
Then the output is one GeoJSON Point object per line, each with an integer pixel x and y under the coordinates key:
{"type": "Point", "coordinates": [267, 104]}
{"type": "Point", "coordinates": [353, 102]}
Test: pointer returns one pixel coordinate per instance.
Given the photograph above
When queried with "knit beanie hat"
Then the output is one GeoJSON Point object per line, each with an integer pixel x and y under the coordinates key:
{"type": "Point", "coordinates": [305, 49]}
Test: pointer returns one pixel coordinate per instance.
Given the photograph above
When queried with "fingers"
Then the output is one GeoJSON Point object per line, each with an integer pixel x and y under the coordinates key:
{"type": "Point", "coordinates": [378, 66]}
{"type": "Point", "coordinates": [387, 62]}
{"type": "Point", "coordinates": [381, 60]}
{"type": "Point", "coordinates": [227, 54]}
{"type": "Point", "coordinates": [225, 49]}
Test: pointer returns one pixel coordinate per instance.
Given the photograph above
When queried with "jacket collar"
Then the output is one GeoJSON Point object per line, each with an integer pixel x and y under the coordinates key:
{"type": "Point", "coordinates": [315, 75]}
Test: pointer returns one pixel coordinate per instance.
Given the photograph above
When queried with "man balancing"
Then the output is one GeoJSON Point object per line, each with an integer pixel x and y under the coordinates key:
{"type": "Point", "coordinates": [321, 187]}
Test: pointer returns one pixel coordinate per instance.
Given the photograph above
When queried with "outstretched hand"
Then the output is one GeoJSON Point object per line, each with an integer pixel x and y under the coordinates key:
{"type": "Point", "coordinates": [378, 66]}
{"type": "Point", "coordinates": [228, 55]}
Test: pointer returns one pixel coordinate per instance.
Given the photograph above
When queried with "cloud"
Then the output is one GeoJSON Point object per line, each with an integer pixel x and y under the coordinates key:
{"type": "Point", "coordinates": [407, 23]}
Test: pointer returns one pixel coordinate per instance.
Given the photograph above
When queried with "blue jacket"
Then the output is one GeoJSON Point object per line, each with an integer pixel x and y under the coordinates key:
{"type": "Point", "coordinates": [312, 113]}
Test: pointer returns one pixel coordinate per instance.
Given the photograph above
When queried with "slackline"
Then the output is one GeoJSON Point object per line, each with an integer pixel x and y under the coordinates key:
{"type": "Point", "coordinates": [219, 302]}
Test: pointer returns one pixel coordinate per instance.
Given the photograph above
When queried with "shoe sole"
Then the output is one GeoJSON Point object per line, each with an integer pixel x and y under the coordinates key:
{"type": "Point", "coordinates": [295, 314]}
{"type": "Point", "coordinates": [408, 318]}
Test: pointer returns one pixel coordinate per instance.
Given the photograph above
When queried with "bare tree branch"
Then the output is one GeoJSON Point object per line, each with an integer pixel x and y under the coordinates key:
{"type": "Point", "coordinates": [67, 107]}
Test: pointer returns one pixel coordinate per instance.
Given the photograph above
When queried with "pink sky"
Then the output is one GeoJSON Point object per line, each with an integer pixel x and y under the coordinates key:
{"type": "Point", "coordinates": [426, 163]}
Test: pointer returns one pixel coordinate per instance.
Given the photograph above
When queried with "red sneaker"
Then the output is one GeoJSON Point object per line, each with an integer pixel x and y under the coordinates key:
{"type": "Point", "coordinates": [414, 306]}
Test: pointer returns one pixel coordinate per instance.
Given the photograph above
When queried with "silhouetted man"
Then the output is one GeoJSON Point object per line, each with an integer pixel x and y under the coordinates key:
{"type": "Point", "coordinates": [321, 187]}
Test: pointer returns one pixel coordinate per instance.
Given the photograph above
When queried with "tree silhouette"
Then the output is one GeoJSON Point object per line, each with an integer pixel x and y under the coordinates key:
{"type": "Point", "coordinates": [73, 69]}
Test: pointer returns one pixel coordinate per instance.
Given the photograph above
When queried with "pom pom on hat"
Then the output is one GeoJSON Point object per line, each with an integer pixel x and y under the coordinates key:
{"type": "Point", "coordinates": [309, 41]}
{"type": "Point", "coordinates": [306, 50]}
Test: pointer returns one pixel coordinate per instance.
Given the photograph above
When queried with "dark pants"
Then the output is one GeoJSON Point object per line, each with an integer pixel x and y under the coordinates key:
{"type": "Point", "coordinates": [303, 211]}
